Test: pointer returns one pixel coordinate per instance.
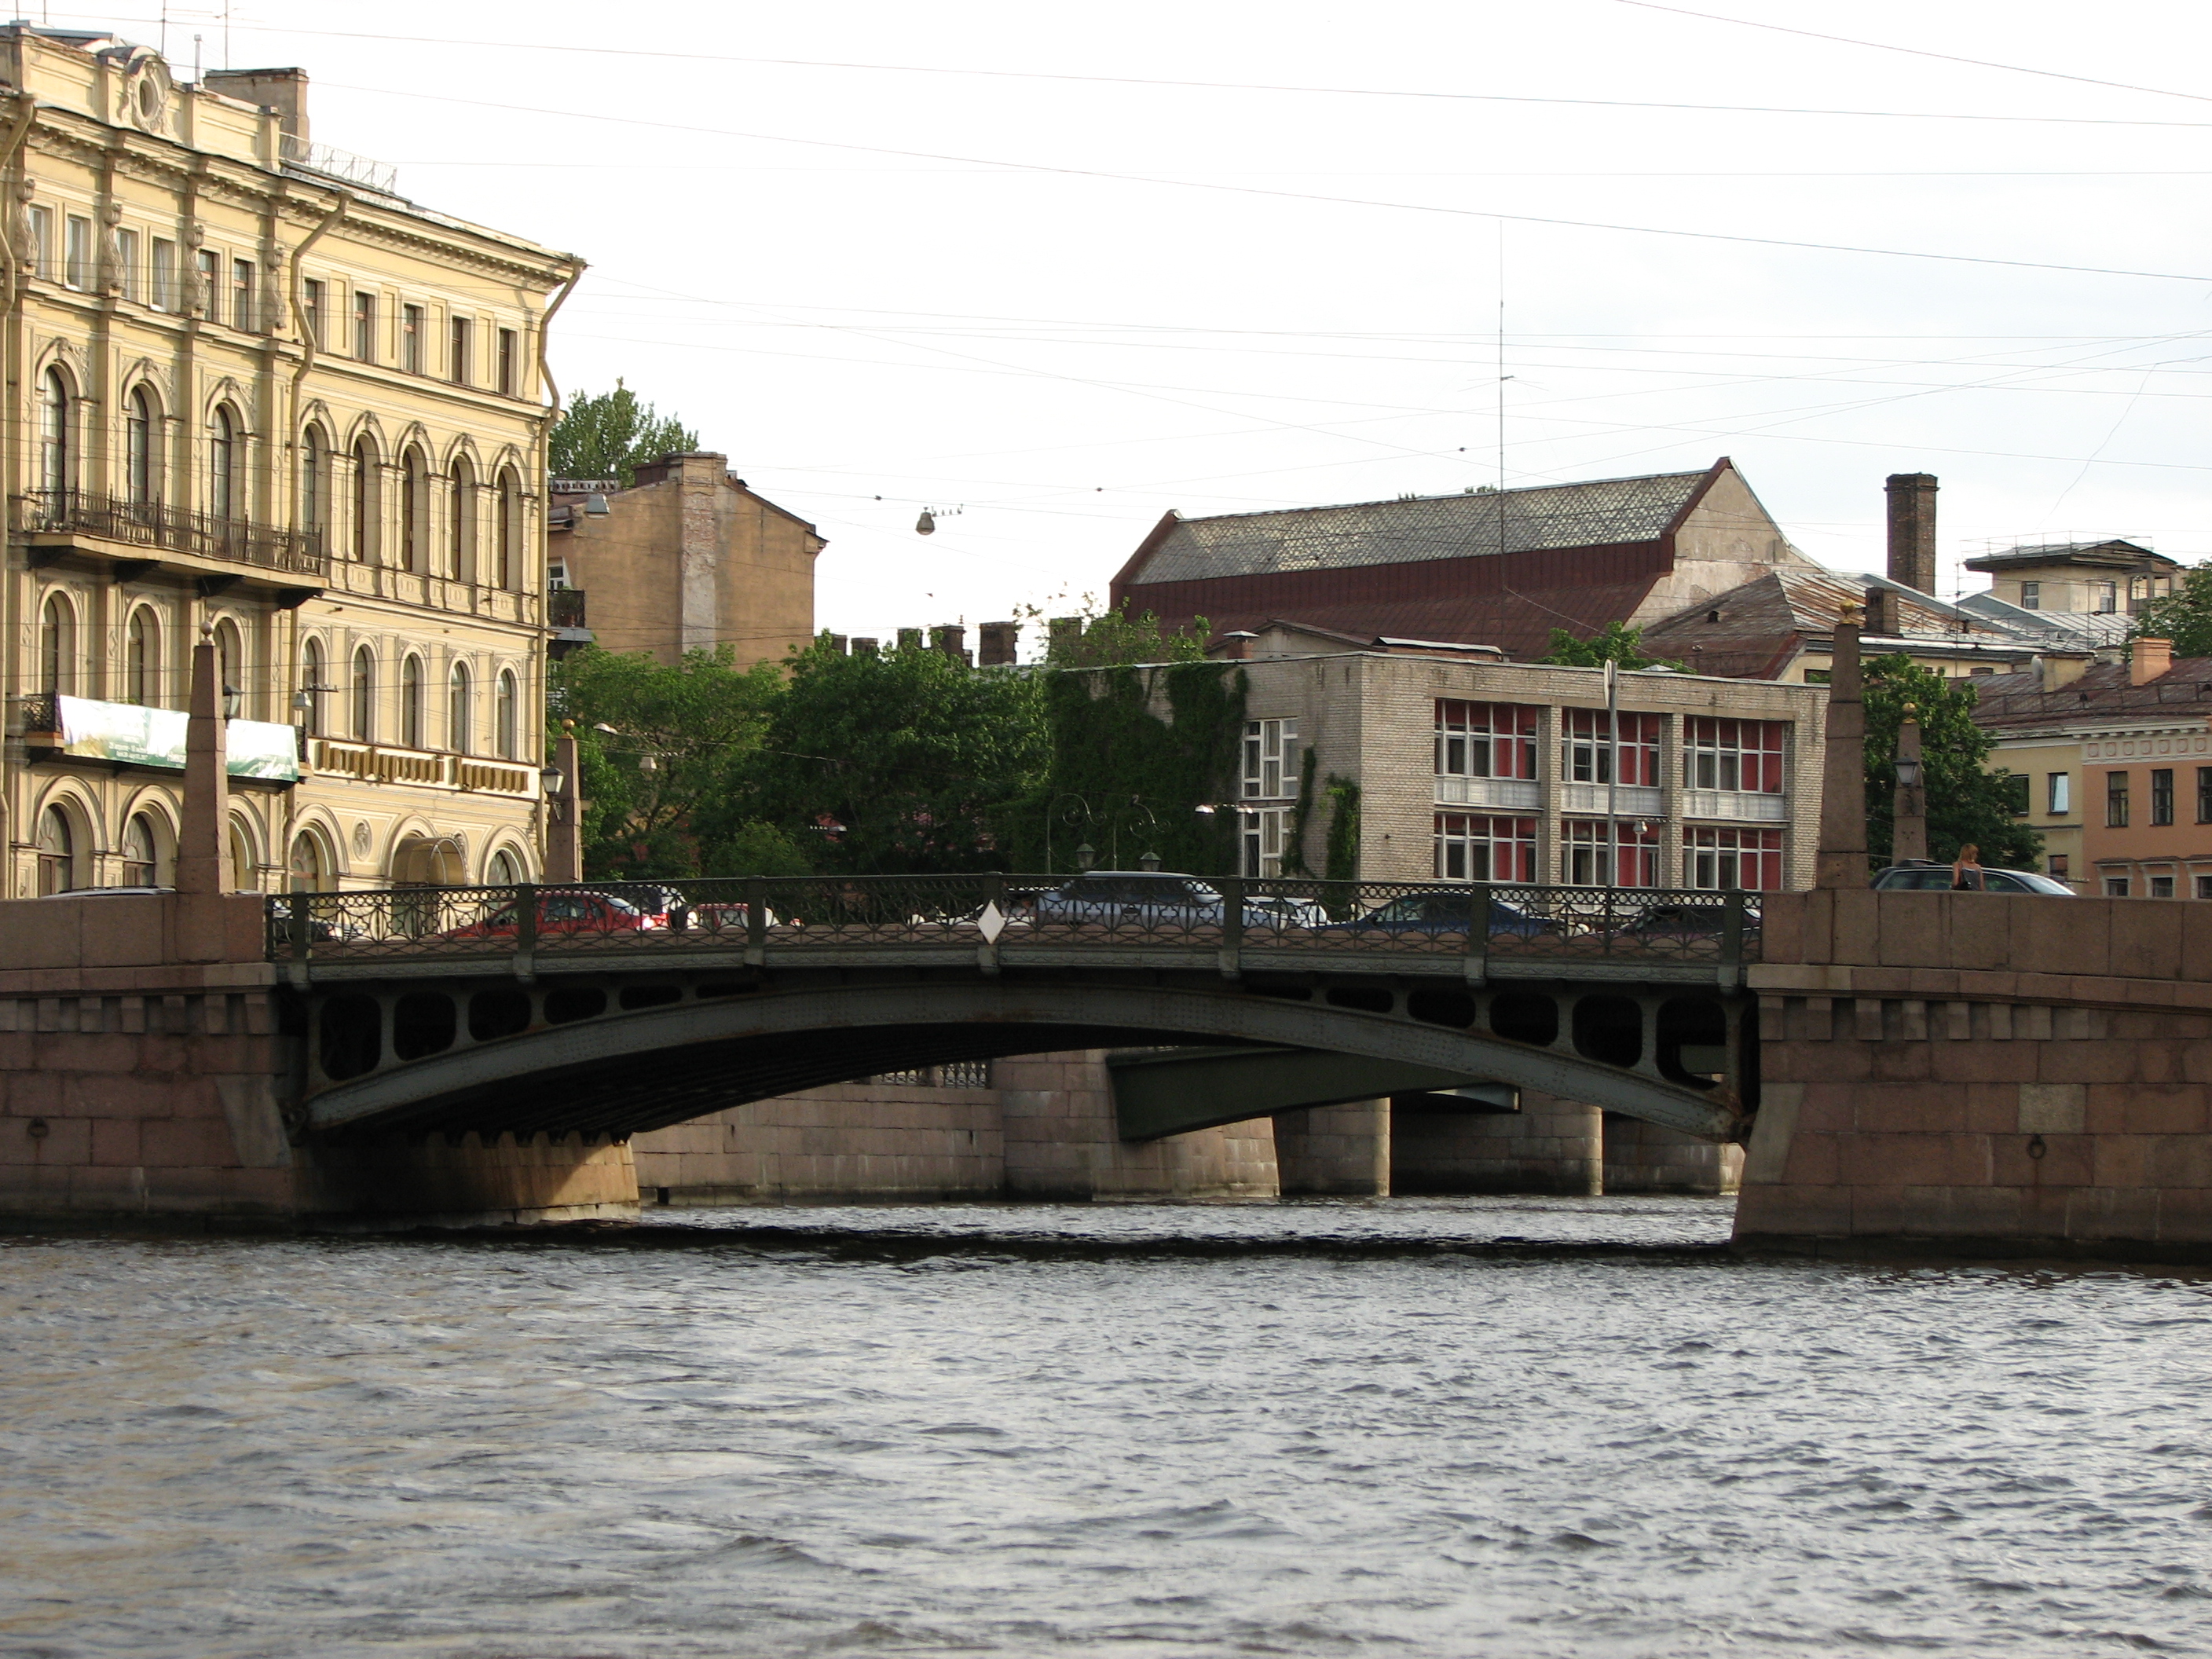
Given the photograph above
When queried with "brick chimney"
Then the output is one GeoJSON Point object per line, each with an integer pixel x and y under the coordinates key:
{"type": "Point", "coordinates": [1912, 530]}
{"type": "Point", "coordinates": [952, 639]}
{"type": "Point", "coordinates": [284, 90]}
{"type": "Point", "coordinates": [1881, 619]}
{"type": "Point", "coordinates": [864, 647]}
{"type": "Point", "coordinates": [997, 643]}
{"type": "Point", "coordinates": [1066, 635]}
{"type": "Point", "coordinates": [2149, 660]}
{"type": "Point", "coordinates": [2060, 669]}
{"type": "Point", "coordinates": [1237, 646]}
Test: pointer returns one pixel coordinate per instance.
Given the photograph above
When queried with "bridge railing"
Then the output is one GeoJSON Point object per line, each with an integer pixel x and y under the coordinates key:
{"type": "Point", "coordinates": [1157, 919]}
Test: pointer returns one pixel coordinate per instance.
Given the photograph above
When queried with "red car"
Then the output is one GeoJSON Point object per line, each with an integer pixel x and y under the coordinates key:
{"type": "Point", "coordinates": [563, 913]}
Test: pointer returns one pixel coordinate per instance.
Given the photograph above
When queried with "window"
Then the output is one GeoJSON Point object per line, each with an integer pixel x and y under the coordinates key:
{"type": "Point", "coordinates": [2161, 795]}
{"type": "Point", "coordinates": [1262, 830]}
{"type": "Point", "coordinates": [510, 379]}
{"type": "Point", "coordinates": [460, 704]}
{"type": "Point", "coordinates": [1470, 847]}
{"type": "Point", "coordinates": [2162, 886]}
{"type": "Point", "coordinates": [504, 872]}
{"type": "Point", "coordinates": [311, 302]}
{"type": "Point", "coordinates": [410, 703]}
{"type": "Point", "coordinates": [460, 348]}
{"type": "Point", "coordinates": [2015, 793]}
{"type": "Point", "coordinates": [461, 546]}
{"type": "Point", "coordinates": [141, 477]}
{"type": "Point", "coordinates": [56, 851]}
{"type": "Point", "coordinates": [2057, 866]}
{"type": "Point", "coordinates": [364, 326]}
{"type": "Point", "coordinates": [1590, 862]}
{"type": "Point", "coordinates": [2204, 794]}
{"type": "Point", "coordinates": [141, 863]}
{"type": "Point", "coordinates": [2116, 886]}
{"type": "Point", "coordinates": [164, 294]}
{"type": "Point", "coordinates": [414, 511]}
{"type": "Point", "coordinates": [2058, 792]}
{"type": "Point", "coordinates": [1271, 760]}
{"type": "Point", "coordinates": [2204, 887]}
{"type": "Point", "coordinates": [410, 338]}
{"type": "Point", "coordinates": [510, 529]}
{"type": "Point", "coordinates": [54, 411]}
{"type": "Point", "coordinates": [315, 481]}
{"type": "Point", "coordinates": [1586, 747]}
{"type": "Point", "coordinates": [126, 256]}
{"type": "Point", "coordinates": [245, 872]}
{"type": "Point", "coordinates": [230, 663]}
{"type": "Point", "coordinates": [1720, 859]}
{"type": "Point", "coordinates": [1484, 739]}
{"type": "Point", "coordinates": [242, 312]}
{"type": "Point", "coordinates": [142, 660]}
{"type": "Point", "coordinates": [2116, 800]}
{"type": "Point", "coordinates": [311, 688]}
{"type": "Point", "coordinates": [57, 645]}
{"type": "Point", "coordinates": [2108, 596]}
{"type": "Point", "coordinates": [311, 865]}
{"type": "Point", "coordinates": [42, 241]}
{"type": "Point", "coordinates": [1735, 757]}
{"type": "Point", "coordinates": [364, 696]}
{"type": "Point", "coordinates": [226, 466]}
{"type": "Point", "coordinates": [77, 252]}
{"type": "Point", "coordinates": [210, 283]}
{"type": "Point", "coordinates": [2031, 596]}
{"type": "Point", "coordinates": [367, 513]}
{"type": "Point", "coordinates": [508, 711]}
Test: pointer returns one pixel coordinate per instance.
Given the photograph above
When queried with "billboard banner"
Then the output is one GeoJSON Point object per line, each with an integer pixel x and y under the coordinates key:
{"type": "Point", "coordinates": [125, 732]}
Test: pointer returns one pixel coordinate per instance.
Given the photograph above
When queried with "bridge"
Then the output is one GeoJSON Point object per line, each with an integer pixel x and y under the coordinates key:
{"type": "Point", "coordinates": [608, 1009]}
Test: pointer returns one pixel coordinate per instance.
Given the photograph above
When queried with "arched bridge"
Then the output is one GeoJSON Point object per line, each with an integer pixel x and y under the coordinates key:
{"type": "Point", "coordinates": [608, 1009]}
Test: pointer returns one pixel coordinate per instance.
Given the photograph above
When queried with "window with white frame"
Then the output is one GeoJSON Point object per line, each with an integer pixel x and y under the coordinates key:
{"type": "Point", "coordinates": [1475, 846]}
{"type": "Point", "coordinates": [77, 252]}
{"type": "Point", "coordinates": [1720, 857]}
{"type": "Point", "coordinates": [1735, 757]}
{"type": "Point", "coordinates": [1484, 739]}
{"type": "Point", "coordinates": [1271, 760]}
{"type": "Point", "coordinates": [1263, 832]}
{"type": "Point", "coordinates": [42, 241]}
{"type": "Point", "coordinates": [1592, 855]}
{"type": "Point", "coordinates": [164, 294]}
{"type": "Point", "coordinates": [126, 256]}
{"type": "Point", "coordinates": [1586, 748]}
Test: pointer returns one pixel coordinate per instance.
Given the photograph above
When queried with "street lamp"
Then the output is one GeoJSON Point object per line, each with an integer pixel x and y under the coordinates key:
{"type": "Point", "coordinates": [550, 778]}
{"type": "Point", "coordinates": [1085, 856]}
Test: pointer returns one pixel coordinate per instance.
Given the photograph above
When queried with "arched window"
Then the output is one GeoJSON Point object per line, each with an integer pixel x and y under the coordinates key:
{"type": "Point", "coordinates": [315, 482]}
{"type": "Point", "coordinates": [503, 871]}
{"type": "Point", "coordinates": [226, 465]}
{"type": "Point", "coordinates": [56, 851]}
{"type": "Point", "coordinates": [230, 666]}
{"type": "Point", "coordinates": [245, 872]}
{"type": "Point", "coordinates": [510, 529]}
{"type": "Point", "coordinates": [458, 704]}
{"type": "Point", "coordinates": [414, 511]}
{"type": "Point", "coordinates": [57, 645]}
{"type": "Point", "coordinates": [506, 715]}
{"type": "Point", "coordinates": [54, 459]}
{"type": "Point", "coordinates": [140, 449]}
{"type": "Point", "coordinates": [410, 703]}
{"type": "Point", "coordinates": [142, 660]}
{"type": "Point", "coordinates": [367, 508]}
{"type": "Point", "coordinates": [141, 858]}
{"type": "Point", "coordinates": [462, 550]}
{"type": "Point", "coordinates": [311, 864]}
{"type": "Point", "coordinates": [312, 687]}
{"type": "Point", "coordinates": [364, 695]}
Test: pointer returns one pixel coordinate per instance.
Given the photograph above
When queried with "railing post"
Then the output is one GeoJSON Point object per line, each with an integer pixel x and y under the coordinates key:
{"type": "Point", "coordinates": [1232, 928]}
{"type": "Point", "coordinates": [1477, 965]}
{"type": "Point", "coordinates": [1732, 940]}
{"type": "Point", "coordinates": [525, 931]}
{"type": "Point", "coordinates": [756, 921]}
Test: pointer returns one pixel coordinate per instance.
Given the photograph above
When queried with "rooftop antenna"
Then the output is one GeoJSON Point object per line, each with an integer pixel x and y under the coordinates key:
{"type": "Point", "coordinates": [225, 33]}
{"type": "Point", "coordinates": [165, 30]}
{"type": "Point", "coordinates": [196, 60]}
{"type": "Point", "coordinates": [1502, 378]}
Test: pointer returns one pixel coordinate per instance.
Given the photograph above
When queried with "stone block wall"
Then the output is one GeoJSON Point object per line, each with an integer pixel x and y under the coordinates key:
{"type": "Point", "coordinates": [1337, 1151]}
{"type": "Point", "coordinates": [1550, 1146]}
{"type": "Point", "coordinates": [1062, 1141]}
{"type": "Point", "coordinates": [1645, 1158]}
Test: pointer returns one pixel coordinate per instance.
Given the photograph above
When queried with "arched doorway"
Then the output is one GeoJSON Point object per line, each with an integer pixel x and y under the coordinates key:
{"type": "Point", "coordinates": [56, 851]}
{"type": "Point", "coordinates": [314, 869]}
{"type": "Point", "coordinates": [143, 842]}
{"type": "Point", "coordinates": [245, 868]}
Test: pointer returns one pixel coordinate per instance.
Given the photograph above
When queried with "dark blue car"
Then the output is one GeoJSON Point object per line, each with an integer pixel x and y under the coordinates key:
{"type": "Point", "coordinates": [1444, 910]}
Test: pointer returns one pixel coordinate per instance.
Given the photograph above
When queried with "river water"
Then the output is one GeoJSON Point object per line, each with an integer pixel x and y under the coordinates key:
{"type": "Point", "coordinates": [1303, 1429]}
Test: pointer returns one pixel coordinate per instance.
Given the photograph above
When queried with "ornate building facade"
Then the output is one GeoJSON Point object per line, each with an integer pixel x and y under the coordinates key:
{"type": "Point", "coordinates": [254, 394]}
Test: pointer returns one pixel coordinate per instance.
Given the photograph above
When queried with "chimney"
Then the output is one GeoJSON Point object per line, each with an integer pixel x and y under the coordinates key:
{"type": "Point", "coordinates": [284, 90]}
{"type": "Point", "coordinates": [996, 644]}
{"type": "Point", "coordinates": [909, 639]}
{"type": "Point", "coordinates": [1912, 530]}
{"type": "Point", "coordinates": [2149, 660]}
{"type": "Point", "coordinates": [1067, 636]}
{"type": "Point", "coordinates": [1237, 646]}
{"type": "Point", "coordinates": [2060, 671]}
{"type": "Point", "coordinates": [836, 644]}
{"type": "Point", "coordinates": [952, 639]}
{"type": "Point", "coordinates": [863, 646]}
{"type": "Point", "coordinates": [1881, 619]}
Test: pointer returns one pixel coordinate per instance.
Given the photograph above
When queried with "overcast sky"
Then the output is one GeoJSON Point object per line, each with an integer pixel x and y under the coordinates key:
{"type": "Point", "coordinates": [979, 257]}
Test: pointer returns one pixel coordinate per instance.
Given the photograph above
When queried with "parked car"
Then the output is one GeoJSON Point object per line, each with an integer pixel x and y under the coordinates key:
{"type": "Point", "coordinates": [1446, 910]}
{"type": "Point", "coordinates": [562, 912]}
{"type": "Point", "coordinates": [1924, 875]}
{"type": "Point", "coordinates": [1681, 923]}
{"type": "Point", "coordinates": [1148, 896]}
{"type": "Point", "coordinates": [1282, 911]}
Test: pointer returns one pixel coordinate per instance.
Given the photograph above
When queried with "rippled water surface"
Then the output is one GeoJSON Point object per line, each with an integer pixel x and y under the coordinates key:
{"type": "Point", "coordinates": [1297, 1429]}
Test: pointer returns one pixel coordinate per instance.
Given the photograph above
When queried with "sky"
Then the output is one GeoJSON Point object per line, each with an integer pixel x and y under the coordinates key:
{"type": "Point", "coordinates": [1052, 272]}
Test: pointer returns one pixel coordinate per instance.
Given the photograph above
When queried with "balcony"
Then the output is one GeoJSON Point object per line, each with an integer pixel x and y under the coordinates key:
{"type": "Point", "coordinates": [147, 534]}
{"type": "Point", "coordinates": [1733, 807]}
{"type": "Point", "coordinates": [1514, 794]}
{"type": "Point", "coordinates": [565, 615]}
{"type": "Point", "coordinates": [1629, 800]}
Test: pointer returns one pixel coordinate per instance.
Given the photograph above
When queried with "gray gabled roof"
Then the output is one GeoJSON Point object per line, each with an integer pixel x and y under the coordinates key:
{"type": "Point", "coordinates": [1605, 511]}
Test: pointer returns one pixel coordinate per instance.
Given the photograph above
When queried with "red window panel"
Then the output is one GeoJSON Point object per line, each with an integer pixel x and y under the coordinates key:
{"type": "Point", "coordinates": [1720, 857]}
{"type": "Point", "coordinates": [1485, 740]}
{"type": "Point", "coordinates": [1475, 846]}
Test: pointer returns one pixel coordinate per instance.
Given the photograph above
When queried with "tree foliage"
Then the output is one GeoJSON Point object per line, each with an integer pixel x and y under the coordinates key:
{"type": "Point", "coordinates": [1966, 803]}
{"type": "Point", "coordinates": [904, 762]}
{"type": "Point", "coordinates": [1617, 643]}
{"type": "Point", "coordinates": [1107, 638]}
{"type": "Point", "coordinates": [606, 435]}
{"type": "Point", "coordinates": [2184, 616]}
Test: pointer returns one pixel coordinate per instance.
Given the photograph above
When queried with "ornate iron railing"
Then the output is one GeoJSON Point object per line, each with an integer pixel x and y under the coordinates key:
{"type": "Point", "coordinates": [150, 524]}
{"type": "Point", "coordinates": [1156, 920]}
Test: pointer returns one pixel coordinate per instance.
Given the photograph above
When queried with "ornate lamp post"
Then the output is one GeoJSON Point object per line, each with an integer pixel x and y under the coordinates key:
{"type": "Point", "coordinates": [1909, 819]}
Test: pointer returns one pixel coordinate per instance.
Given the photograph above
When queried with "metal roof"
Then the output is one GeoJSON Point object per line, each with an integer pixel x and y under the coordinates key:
{"type": "Point", "coordinates": [1601, 513]}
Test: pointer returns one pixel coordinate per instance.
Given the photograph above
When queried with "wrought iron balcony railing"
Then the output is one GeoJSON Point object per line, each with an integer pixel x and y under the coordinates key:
{"type": "Point", "coordinates": [150, 524]}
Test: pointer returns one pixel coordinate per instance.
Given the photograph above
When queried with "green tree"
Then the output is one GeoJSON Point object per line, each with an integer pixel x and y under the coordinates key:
{"type": "Point", "coordinates": [1617, 643]}
{"type": "Point", "coordinates": [1966, 801]}
{"type": "Point", "coordinates": [1107, 639]}
{"type": "Point", "coordinates": [606, 435]}
{"type": "Point", "coordinates": [661, 749]}
{"type": "Point", "coordinates": [904, 762]}
{"type": "Point", "coordinates": [2184, 616]}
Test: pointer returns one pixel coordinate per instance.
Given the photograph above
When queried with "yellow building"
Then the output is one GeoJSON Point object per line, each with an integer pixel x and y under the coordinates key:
{"type": "Point", "coordinates": [255, 393]}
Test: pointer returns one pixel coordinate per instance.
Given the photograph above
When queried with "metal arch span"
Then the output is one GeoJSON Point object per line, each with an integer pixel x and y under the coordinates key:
{"type": "Point", "coordinates": [654, 1068]}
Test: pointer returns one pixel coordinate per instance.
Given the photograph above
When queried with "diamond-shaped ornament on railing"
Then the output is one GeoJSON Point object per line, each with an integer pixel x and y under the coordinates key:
{"type": "Point", "coordinates": [991, 922]}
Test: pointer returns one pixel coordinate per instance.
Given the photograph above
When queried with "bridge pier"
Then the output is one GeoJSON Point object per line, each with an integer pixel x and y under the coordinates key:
{"type": "Point", "coordinates": [1334, 1151]}
{"type": "Point", "coordinates": [1550, 1146]}
{"type": "Point", "coordinates": [466, 1180]}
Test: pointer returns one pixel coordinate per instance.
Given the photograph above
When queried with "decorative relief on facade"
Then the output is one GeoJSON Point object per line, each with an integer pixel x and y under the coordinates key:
{"type": "Point", "coordinates": [111, 268]}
